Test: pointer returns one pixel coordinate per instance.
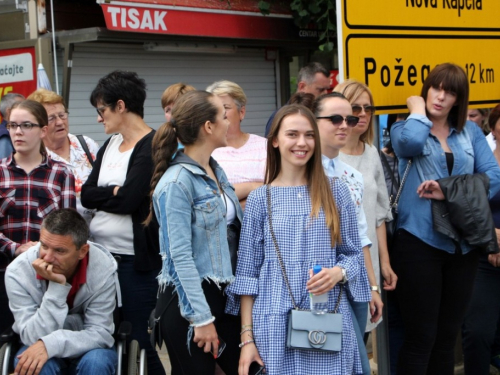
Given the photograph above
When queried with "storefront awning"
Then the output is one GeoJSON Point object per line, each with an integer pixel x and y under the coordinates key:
{"type": "Point", "coordinates": [240, 19]}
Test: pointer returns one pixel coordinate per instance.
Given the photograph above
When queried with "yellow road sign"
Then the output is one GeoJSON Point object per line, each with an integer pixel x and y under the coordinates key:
{"type": "Point", "coordinates": [395, 66]}
{"type": "Point", "coordinates": [443, 15]}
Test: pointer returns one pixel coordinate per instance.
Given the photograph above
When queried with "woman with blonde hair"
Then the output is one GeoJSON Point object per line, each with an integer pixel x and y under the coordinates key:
{"type": "Point", "coordinates": [243, 149]}
{"type": "Point", "coordinates": [310, 220]}
{"type": "Point", "coordinates": [361, 154]}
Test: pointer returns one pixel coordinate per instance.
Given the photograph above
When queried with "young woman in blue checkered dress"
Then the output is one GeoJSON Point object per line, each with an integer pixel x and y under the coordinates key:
{"type": "Point", "coordinates": [314, 222]}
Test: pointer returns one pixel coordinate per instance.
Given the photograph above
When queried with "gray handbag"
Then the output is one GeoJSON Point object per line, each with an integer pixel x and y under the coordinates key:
{"type": "Point", "coordinates": [307, 331]}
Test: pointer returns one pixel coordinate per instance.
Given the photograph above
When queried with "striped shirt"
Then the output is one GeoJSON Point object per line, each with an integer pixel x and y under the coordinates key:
{"type": "Point", "coordinates": [25, 199]}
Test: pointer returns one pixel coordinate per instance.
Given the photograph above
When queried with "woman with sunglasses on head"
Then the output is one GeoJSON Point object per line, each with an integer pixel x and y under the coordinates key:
{"type": "Point", "coordinates": [194, 203]}
{"type": "Point", "coordinates": [313, 223]}
{"type": "Point", "coordinates": [31, 186]}
{"type": "Point", "coordinates": [436, 273]}
{"type": "Point", "coordinates": [65, 147]}
{"type": "Point", "coordinates": [360, 153]}
{"type": "Point", "coordinates": [118, 189]}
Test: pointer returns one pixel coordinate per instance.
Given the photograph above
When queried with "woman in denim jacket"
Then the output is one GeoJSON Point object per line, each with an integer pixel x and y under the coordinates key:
{"type": "Point", "coordinates": [194, 203]}
{"type": "Point", "coordinates": [436, 274]}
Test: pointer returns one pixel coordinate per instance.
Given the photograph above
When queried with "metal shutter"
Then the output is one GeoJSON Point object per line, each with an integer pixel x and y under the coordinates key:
{"type": "Point", "coordinates": [247, 67]}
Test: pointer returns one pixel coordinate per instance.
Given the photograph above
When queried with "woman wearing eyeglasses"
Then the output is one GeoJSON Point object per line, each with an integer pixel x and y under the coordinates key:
{"type": "Point", "coordinates": [31, 186]}
{"type": "Point", "coordinates": [118, 188]}
{"type": "Point", "coordinates": [360, 153]}
{"type": "Point", "coordinates": [65, 147]}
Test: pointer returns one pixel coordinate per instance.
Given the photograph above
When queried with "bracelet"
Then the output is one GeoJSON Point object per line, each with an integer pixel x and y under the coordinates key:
{"type": "Point", "coordinates": [375, 288]}
{"type": "Point", "coordinates": [246, 343]}
{"type": "Point", "coordinates": [246, 330]}
{"type": "Point", "coordinates": [246, 326]}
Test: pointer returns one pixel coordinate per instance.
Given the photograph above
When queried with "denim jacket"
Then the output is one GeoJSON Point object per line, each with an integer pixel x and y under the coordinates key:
{"type": "Point", "coordinates": [412, 139]}
{"type": "Point", "coordinates": [193, 233]}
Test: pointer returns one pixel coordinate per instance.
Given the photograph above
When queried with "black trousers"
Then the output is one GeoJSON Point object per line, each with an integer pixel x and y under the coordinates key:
{"type": "Point", "coordinates": [174, 329]}
{"type": "Point", "coordinates": [434, 289]}
{"type": "Point", "coordinates": [6, 317]}
{"type": "Point", "coordinates": [482, 320]}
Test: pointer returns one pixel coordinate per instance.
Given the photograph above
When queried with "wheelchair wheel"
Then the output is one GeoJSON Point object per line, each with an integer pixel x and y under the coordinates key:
{"type": "Point", "coordinates": [4, 361]}
{"type": "Point", "coordinates": [133, 358]}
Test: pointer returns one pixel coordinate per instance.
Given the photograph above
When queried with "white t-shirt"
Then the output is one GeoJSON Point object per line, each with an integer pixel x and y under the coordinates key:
{"type": "Point", "coordinates": [113, 231]}
{"type": "Point", "coordinates": [230, 209]}
{"type": "Point", "coordinates": [491, 141]}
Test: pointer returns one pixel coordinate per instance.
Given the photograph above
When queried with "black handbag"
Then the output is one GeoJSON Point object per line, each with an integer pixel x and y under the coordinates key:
{"type": "Point", "coordinates": [233, 241]}
{"type": "Point", "coordinates": [154, 329]}
{"type": "Point", "coordinates": [391, 226]}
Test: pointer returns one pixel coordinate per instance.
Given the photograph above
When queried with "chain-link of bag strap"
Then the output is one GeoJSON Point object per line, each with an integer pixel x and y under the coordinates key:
{"type": "Point", "coordinates": [396, 200]}
{"type": "Point", "coordinates": [280, 259]}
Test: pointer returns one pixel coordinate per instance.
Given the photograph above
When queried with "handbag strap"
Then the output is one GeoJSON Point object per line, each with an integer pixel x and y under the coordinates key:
{"type": "Point", "coordinates": [85, 148]}
{"type": "Point", "coordinates": [395, 183]}
{"type": "Point", "coordinates": [396, 200]}
{"type": "Point", "coordinates": [280, 259]}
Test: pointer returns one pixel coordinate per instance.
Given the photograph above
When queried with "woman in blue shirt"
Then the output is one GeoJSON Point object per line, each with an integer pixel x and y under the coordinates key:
{"type": "Point", "coordinates": [194, 202]}
{"type": "Point", "coordinates": [436, 274]}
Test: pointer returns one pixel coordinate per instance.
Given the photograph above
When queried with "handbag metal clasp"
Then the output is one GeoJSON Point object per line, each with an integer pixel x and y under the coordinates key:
{"type": "Point", "coordinates": [317, 338]}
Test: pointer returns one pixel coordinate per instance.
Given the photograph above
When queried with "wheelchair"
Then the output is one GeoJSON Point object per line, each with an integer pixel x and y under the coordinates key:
{"type": "Point", "coordinates": [131, 359]}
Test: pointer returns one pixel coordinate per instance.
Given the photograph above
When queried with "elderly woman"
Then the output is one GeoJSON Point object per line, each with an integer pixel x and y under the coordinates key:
{"type": "Point", "coordinates": [243, 149]}
{"type": "Point", "coordinates": [65, 147]}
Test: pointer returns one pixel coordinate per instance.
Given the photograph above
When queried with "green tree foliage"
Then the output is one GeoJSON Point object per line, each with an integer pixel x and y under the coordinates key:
{"type": "Point", "coordinates": [320, 13]}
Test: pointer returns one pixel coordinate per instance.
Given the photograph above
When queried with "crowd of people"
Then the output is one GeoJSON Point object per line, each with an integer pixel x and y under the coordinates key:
{"type": "Point", "coordinates": [215, 232]}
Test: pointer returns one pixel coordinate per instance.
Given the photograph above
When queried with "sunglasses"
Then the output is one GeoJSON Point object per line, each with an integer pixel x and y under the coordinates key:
{"type": "Point", "coordinates": [337, 120]}
{"type": "Point", "coordinates": [357, 109]}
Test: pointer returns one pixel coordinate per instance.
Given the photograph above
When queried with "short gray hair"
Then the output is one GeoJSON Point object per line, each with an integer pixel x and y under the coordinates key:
{"type": "Point", "coordinates": [229, 88]}
{"type": "Point", "coordinates": [8, 100]}
{"type": "Point", "coordinates": [308, 72]}
{"type": "Point", "coordinates": [67, 222]}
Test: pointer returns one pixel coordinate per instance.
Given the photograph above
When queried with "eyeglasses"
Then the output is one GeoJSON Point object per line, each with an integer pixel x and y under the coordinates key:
{"type": "Point", "coordinates": [63, 116]}
{"type": "Point", "coordinates": [369, 109]}
{"type": "Point", "coordinates": [12, 126]}
{"type": "Point", "coordinates": [337, 120]}
{"type": "Point", "coordinates": [100, 109]}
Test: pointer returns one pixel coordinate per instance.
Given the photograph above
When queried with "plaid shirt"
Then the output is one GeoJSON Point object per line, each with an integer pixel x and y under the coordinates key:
{"type": "Point", "coordinates": [25, 199]}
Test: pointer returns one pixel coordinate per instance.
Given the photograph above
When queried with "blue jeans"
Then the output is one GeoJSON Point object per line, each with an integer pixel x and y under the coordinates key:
{"type": "Point", "coordinates": [139, 291]}
{"type": "Point", "coordinates": [359, 312]}
{"type": "Point", "coordinates": [96, 361]}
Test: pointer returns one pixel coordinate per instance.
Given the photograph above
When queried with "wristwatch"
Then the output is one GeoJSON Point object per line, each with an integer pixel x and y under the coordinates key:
{"type": "Point", "coordinates": [344, 276]}
{"type": "Point", "coordinates": [375, 288]}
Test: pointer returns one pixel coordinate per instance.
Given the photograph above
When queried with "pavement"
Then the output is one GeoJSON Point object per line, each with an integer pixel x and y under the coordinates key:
{"type": "Point", "coordinates": [459, 368]}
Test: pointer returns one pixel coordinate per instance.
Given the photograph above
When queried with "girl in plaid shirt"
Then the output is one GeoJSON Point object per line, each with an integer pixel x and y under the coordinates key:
{"type": "Point", "coordinates": [31, 186]}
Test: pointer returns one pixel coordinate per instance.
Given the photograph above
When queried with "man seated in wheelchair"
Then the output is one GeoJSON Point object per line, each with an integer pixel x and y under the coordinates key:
{"type": "Point", "coordinates": [62, 294]}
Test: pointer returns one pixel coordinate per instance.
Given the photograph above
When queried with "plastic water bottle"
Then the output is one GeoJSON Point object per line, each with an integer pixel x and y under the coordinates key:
{"type": "Point", "coordinates": [319, 304]}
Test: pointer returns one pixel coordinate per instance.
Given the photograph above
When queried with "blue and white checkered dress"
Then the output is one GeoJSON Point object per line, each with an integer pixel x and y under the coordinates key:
{"type": "Point", "coordinates": [303, 242]}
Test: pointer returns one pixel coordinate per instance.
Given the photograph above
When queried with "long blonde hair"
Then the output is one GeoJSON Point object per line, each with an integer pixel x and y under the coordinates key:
{"type": "Point", "coordinates": [317, 182]}
{"type": "Point", "coordinates": [352, 90]}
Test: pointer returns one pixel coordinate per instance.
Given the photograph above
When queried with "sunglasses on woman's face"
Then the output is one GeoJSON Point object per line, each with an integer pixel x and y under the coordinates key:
{"type": "Point", "coordinates": [357, 109]}
{"type": "Point", "coordinates": [337, 120]}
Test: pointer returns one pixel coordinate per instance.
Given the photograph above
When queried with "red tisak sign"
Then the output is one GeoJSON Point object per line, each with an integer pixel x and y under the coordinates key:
{"type": "Point", "coordinates": [165, 19]}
